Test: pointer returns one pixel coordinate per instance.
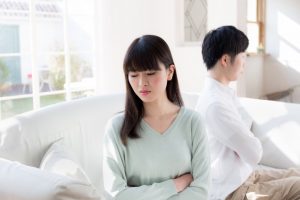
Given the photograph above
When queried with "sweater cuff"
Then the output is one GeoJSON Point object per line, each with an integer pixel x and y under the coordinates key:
{"type": "Point", "coordinates": [170, 187]}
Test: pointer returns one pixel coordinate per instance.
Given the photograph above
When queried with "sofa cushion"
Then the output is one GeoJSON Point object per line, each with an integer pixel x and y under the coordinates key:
{"type": "Point", "coordinates": [60, 160]}
{"type": "Point", "coordinates": [22, 182]}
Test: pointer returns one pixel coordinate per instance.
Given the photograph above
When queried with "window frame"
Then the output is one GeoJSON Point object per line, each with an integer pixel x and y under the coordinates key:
{"type": "Point", "coordinates": [260, 22]}
{"type": "Point", "coordinates": [67, 91]}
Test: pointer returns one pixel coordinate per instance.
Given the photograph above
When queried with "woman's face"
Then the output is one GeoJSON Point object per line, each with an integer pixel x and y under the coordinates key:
{"type": "Point", "coordinates": [150, 86]}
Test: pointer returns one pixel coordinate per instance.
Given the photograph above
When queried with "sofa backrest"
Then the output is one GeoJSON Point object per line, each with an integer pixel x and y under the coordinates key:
{"type": "Point", "coordinates": [26, 137]}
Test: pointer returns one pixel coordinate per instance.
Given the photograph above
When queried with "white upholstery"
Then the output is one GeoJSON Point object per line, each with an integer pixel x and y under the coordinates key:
{"type": "Point", "coordinates": [60, 160]}
{"type": "Point", "coordinates": [26, 137]}
{"type": "Point", "coordinates": [22, 182]}
{"type": "Point", "coordinates": [277, 125]}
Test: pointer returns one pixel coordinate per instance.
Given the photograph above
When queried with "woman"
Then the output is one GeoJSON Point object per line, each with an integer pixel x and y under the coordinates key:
{"type": "Point", "coordinates": [157, 149]}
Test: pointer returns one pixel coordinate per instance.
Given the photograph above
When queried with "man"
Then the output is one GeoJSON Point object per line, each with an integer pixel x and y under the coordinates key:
{"type": "Point", "coordinates": [235, 151]}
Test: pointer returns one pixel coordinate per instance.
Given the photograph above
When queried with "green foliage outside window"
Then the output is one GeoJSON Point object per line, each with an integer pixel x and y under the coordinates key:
{"type": "Point", "coordinates": [79, 70]}
{"type": "Point", "coordinates": [4, 75]}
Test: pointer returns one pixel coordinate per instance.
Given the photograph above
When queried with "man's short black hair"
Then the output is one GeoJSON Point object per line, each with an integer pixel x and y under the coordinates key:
{"type": "Point", "coordinates": [223, 40]}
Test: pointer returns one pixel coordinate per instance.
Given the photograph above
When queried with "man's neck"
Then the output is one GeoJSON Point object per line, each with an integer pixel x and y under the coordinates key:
{"type": "Point", "coordinates": [218, 76]}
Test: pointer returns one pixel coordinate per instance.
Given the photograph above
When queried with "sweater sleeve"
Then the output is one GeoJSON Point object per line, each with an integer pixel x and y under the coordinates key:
{"type": "Point", "coordinates": [198, 189]}
{"type": "Point", "coordinates": [114, 175]}
{"type": "Point", "coordinates": [229, 129]}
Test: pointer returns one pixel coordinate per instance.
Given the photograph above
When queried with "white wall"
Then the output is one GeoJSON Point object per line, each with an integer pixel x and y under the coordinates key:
{"type": "Point", "coordinates": [220, 16]}
{"type": "Point", "coordinates": [123, 21]}
{"type": "Point", "coordinates": [282, 67]}
{"type": "Point", "coordinates": [253, 79]}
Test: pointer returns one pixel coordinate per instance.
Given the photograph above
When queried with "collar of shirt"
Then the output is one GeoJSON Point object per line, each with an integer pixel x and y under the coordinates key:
{"type": "Point", "coordinates": [212, 83]}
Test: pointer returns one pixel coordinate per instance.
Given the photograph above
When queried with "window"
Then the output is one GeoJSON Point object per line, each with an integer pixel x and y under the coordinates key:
{"type": "Point", "coordinates": [47, 53]}
{"type": "Point", "coordinates": [256, 25]}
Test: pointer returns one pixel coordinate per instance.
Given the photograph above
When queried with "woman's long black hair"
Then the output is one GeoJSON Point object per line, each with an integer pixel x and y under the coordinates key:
{"type": "Point", "coordinates": [143, 54]}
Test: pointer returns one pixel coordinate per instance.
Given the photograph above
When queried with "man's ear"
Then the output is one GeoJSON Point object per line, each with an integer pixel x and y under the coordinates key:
{"type": "Point", "coordinates": [171, 71]}
{"type": "Point", "coordinates": [225, 60]}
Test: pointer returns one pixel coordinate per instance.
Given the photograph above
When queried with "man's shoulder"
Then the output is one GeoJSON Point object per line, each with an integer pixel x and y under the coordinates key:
{"type": "Point", "coordinates": [208, 98]}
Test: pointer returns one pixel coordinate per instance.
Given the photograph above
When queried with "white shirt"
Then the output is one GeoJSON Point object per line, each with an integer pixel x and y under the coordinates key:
{"type": "Point", "coordinates": [235, 151]}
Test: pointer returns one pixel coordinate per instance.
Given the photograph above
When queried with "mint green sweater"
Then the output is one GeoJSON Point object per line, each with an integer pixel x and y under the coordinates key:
{"type": "Point", "coordinates": [146, 167]}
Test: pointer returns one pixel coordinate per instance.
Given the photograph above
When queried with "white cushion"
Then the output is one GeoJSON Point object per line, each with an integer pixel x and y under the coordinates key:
{"type": "Point", "coordinates": [23, 182]}
{"type": "Point", "coordinates": [60, 160]}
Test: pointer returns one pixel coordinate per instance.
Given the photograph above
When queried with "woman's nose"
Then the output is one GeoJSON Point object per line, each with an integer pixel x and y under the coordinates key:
{"type": "Point", "coordinates": [143, 81]}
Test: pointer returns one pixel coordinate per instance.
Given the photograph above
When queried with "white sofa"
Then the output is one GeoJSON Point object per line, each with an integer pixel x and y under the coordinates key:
{"type": "Point", "coordinates": [26, 137]}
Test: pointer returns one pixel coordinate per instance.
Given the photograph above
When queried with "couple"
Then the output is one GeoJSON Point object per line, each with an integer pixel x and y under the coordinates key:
{"type": "Point", "coordinates": [157, 149]}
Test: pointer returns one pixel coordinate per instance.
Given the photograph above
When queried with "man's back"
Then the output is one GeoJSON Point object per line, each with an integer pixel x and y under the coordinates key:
{"type": "Point", "coordinates": [234, 149]}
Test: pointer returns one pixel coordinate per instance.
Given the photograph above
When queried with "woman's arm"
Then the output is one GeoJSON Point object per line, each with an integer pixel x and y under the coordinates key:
{"type": "Point", "coordinates": [183, 181]}
{"type": "Point", "coordinates": [198, 189]}
{"type": "Point", "coordinates": [115, 182]}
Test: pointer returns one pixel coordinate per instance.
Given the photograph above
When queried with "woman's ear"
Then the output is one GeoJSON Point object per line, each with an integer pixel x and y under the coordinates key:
{"type": "Point", "coordinates": [171, 71]}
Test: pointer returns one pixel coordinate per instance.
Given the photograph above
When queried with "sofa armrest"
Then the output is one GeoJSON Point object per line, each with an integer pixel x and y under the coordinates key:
{"type": "Point", "coordinates": [277, 125]}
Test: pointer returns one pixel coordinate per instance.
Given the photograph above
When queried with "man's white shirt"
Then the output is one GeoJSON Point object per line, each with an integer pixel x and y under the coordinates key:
{"type": "Point", "coordinates": [234, 150]}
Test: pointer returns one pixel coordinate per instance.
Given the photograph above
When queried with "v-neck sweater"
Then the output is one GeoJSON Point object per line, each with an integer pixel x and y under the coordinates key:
{"type": "Point", "coordinates": [146, 167]}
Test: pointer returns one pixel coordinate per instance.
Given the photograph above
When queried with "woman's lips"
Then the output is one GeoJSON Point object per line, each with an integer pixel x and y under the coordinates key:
{"type": "Point", "coordinates": [145, 92]}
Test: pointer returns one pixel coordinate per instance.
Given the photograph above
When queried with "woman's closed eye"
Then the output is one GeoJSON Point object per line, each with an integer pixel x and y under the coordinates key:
{"type": "Point", "coordinates": [151, 73]}
{"type": "Point", "coordinates": [133, 75]}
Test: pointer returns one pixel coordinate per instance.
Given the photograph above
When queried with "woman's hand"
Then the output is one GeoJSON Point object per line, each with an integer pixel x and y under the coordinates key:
{"type": "Point", "coordinates": [183, 182]}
